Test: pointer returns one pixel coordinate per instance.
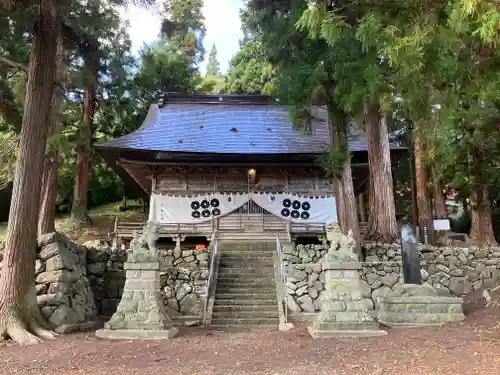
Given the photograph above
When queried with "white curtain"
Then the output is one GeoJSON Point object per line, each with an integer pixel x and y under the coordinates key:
{"type": "Point", "coordinates": [298, 208]}
{"type": "Point", "coordinates": [197, 209]}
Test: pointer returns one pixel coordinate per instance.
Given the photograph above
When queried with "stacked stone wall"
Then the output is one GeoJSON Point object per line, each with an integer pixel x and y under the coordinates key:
{"type": "Point", "coordinates": [63, 290]}
{"type": "Point", "coordinates": [77, 284]}
{"type": "Point", "coordinates": [453, 271]}
{"type": "Point", "coordinates": [184, 278]}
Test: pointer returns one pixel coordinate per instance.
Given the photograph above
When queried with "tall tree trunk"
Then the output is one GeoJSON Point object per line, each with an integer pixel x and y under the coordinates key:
{"type": "Point", "coordinates": [46, 221]}
{"type": "Point", "coordinates": [441, 210]}
{"type": "Point", "coordinates": [382, 225]}
{"type": "Point", "coordinates": [482, 228]}
{"type": "Point", "coordinates": [423, 204]}
{"type": "Point", "coordinates": [340, 202]}
{"type": "Point", "coordinates": [20, 317]}
{"type": "Point", "coordinates": [346, 199]}
{"type": "Point", "coordinates": [79, 209]}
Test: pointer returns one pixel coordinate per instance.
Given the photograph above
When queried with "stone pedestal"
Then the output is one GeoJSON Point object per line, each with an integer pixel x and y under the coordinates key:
{"type": "Point", "coordinates": [141, 313]}
{"type": "Point", "coordinates": [418, 306]}
{"type": "Point", "coordinates": [341, 308]}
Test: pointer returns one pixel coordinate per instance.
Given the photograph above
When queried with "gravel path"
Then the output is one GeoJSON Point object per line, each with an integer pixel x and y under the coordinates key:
{"type": "Point", "coordinates": [471, 347]}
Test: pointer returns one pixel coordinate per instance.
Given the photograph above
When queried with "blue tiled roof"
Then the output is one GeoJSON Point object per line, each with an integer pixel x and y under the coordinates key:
{"type": "Point", "coordinates": [227, 128]}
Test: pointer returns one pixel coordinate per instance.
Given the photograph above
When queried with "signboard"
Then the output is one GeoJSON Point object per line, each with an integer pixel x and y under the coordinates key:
{"type": "Point", "coordinates": [442, 224]}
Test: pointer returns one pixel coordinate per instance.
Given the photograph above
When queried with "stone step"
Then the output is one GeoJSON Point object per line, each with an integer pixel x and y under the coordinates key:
{"type": "Point", "coordinates": [256, 273]}
{"type": "Point", "coordinates": [249, 247]}
{"type": "Point", "coordinates": [235, 277]}
{"type": "Point", "coordinates": [243, 278]}
{"type": "Point", "coordinates": [268, 310]}
{"type": "Point", "coordinates": [249, 268]}
{"type": "Point", "coordinates": [246, 286]}
{"type": "Point", "coordinates": [247, 283]}
{"type": "Point", "coordinates": [242, 314]}
{"type": "Point", "coordinates": [245, 289]}
{"type": "Point", "coordinates": [249, 236]}
{"type": "Point", "coordinates": [271, 307]}
{"type": "Point", "coordinates": [248, 255]}
{"type": "Point", "coordinates": [248, 244]}
{"type": "Point", "coordinates": [228, 301]}
{"type": "Point", "coordinates": [257, 295]}
{"type": "Point", "coordinates": [244, 321]}
{"type": "Point", "coordinates": [244, 327]}
{"type": "Point", "coordinates": [263, 271]}
{"type": "Point", "coordinates": [229, 275]}
{"type": "Point", "coordinates": [246, 262]}
{"type": "Point", "coordinates": [254, 268]}
{"type": "Point", "coordinates": [260, 259]}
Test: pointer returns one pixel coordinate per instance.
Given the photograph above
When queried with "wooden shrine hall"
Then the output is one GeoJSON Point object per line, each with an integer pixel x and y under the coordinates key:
{"type": "Point", "coordinates": [232, 165]}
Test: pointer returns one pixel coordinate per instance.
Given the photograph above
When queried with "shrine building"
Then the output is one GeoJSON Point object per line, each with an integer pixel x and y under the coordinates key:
{"type": "Point", "coordinates": [233, 165]}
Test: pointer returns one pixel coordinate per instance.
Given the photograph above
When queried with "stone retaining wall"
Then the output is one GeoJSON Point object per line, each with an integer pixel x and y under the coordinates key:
{"type": "Point", "coordinates": [106, 275]}
{"type": "Point", "coordinates": [452, 271]}
{"type": "Point", "coordinates": [63, 290]}
{"type": "Point", "coordinates": [183, 279]}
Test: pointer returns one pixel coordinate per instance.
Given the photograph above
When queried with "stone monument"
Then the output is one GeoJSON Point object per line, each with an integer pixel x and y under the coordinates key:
{"type": "Point", "coordinates": [414, 304]}
{"type": "Point", "coordinates": [342, 313]}
{"type": "Point", "coordinates": [141, 313]}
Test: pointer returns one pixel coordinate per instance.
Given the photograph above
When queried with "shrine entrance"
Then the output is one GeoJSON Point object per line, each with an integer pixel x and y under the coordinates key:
{"type": "Point", "coordinates": [251, 218]}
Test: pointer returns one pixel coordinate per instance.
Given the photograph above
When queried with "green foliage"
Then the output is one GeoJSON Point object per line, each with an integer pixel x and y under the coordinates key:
{"type": "Point", "coordinates": [164, 70]}
{"type": "Point", "coordinates": [183, 24]}
{"type": "Point", "coordinates": [213, 66]}
{"type": "Point", "coordinates": [479, 18]}
{"type": "Point", "coordinates": [250, 71]}
{"type": "Point", "coordinates": [125, 89]}
{"type": "Point", "coordinates": [8, 155]}
{"type": "Point", "coordinates": [209, 84]}
{"type": "Point", "coordinates": [14, 55]}
{"type": "Point", "coordinates": [333, 160]}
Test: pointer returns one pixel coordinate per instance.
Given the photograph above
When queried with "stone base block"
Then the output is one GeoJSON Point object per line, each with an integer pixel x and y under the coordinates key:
{"type": "Point", "coordinates": [419, 311]}
{"type": "Point", "coordinates": [319, 334]}
{"type": "Point", "coordinates": [131, 334]}
{"type": "Point", "coordinates": [80, 327]}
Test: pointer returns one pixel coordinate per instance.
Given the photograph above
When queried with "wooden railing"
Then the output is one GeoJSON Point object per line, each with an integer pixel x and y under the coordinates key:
{"type": "Point", "coordinates": [280, 279]}
{"type": "Point", "coordinates": [212, 280]}
{"type": "Point", "coordinates": [231, 223]}
{"type": "Point", "coordinates": [124, 230]}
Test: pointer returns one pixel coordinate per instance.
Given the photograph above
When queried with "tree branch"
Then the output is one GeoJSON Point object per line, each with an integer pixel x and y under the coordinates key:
{"type": "Point", "coordinates": [12, 64]}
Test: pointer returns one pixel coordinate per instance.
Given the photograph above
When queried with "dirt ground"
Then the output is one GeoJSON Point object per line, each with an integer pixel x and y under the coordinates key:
{"type": "Point", "coordinates": [471, 347]}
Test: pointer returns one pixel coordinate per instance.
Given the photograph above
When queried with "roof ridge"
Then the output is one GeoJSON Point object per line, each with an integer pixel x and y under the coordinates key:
{"type": "Point", "coordinates": [168, 98]}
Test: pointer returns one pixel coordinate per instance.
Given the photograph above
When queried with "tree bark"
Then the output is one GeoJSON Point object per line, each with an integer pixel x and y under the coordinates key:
{"type": "Point", "coordinates": [441, 210]}
{"type": "Point", "coordinates": [79, 209]}
{"type": "Point", "coordinates": [382, 225]}
{"type": "Point", "coordinates": [46, 221]}
{"type": "Point", "coordinates": [482, 228]}
{"type": "Point", "coordinates": [20, 317]}
{"type": "Point", "coordinates": [423, 204]}
{"type": "Point", "coordinates": [346, 199]}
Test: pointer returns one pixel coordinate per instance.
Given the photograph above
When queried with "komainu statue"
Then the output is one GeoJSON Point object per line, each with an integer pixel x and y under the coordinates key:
{"type": "Point", "coordinates": [142, 247]}
{"type": "Point", "coordinates": [342, 247]}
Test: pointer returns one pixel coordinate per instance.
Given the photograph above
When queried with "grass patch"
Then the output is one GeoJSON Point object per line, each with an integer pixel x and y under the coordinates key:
{"type": "Point", "coordinates": [102, 221]}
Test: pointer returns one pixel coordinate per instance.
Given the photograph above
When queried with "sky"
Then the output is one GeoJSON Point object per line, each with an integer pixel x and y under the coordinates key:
{"type": "Point", "coordinates": [221, 20]}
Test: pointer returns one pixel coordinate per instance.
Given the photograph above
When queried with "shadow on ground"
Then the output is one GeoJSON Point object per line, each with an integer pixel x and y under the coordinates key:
{"type": "Point", "coordinates": [470, 347]}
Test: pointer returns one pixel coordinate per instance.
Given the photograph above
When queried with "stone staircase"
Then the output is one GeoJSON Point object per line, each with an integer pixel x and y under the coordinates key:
{"type": "Point", "coordinates": [245, 296]}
